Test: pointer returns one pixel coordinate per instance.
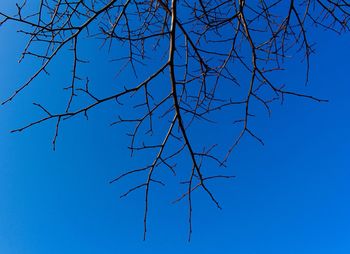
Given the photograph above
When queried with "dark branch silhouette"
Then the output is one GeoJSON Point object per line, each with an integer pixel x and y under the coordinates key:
{"type": "Point", "coordinates": [202, 49]}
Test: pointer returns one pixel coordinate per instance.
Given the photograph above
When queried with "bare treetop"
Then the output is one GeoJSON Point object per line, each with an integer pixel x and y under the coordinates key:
{"type": "Point", "coordinates": [214, 55]}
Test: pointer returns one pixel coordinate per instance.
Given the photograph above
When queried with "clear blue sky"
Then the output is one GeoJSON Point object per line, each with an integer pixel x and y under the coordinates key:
{"type": "Point", "coordinates": [290, 196]}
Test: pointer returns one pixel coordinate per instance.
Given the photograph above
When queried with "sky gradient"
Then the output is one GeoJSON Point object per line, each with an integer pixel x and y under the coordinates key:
{"type": "Point", "coordinates": [289, 196]}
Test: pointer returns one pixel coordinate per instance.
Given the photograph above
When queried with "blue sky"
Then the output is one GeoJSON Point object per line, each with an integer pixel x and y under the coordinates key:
{"type": "Point", "coordinates": [290, 196]}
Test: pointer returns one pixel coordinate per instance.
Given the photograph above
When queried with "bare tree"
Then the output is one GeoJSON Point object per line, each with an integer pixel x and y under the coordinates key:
{"type": "Point", "coordinates": [204, 57]}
